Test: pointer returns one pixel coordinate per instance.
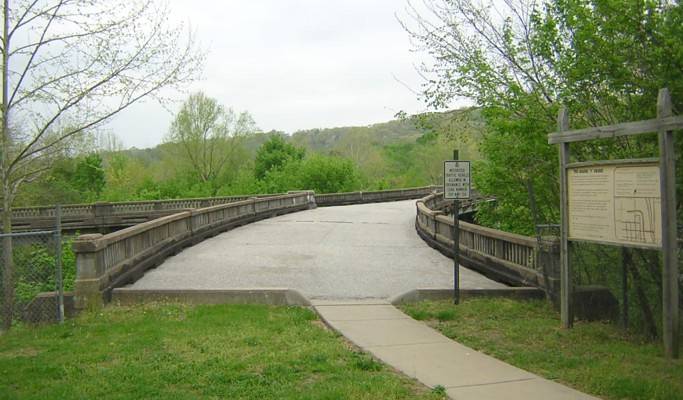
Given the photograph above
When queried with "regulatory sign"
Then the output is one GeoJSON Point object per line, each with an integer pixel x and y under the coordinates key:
{"type": "Point", "coordinates": [456, 180]}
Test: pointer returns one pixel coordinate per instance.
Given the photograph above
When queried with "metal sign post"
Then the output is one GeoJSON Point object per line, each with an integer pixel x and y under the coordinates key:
{"type": "Point", "coordinates": [456, 186]}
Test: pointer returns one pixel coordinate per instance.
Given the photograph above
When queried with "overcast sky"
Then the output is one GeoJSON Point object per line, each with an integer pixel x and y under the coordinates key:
{"type": "Point", "coordinates": [293, 64]}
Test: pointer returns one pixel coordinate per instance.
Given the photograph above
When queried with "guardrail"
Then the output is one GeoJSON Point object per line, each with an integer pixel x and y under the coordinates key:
{"type": "Point", "coordinates": [104, 262]}
{"type": "Point", "coordinates": [507, 257]}
{"type": "Point", "coordinates": [339, 199]}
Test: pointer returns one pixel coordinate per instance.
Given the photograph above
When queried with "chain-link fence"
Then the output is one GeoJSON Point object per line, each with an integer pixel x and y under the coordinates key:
{"type": "Point", "coordinates": [32, 277]}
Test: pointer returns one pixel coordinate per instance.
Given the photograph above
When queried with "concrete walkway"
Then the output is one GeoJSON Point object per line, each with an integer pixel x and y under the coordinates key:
{"type": "Point", "coordinates": [426, 355]}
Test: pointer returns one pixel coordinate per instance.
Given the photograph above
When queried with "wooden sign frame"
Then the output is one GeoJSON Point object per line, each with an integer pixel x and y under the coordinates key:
{"type": "Point", "coordinates": [664, 125]}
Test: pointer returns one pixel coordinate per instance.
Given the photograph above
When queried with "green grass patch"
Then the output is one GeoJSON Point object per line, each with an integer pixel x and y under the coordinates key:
{"type": "Point", "coordinates": [183, 352]}
{"type": "Point", "coordinates": [594, 357]}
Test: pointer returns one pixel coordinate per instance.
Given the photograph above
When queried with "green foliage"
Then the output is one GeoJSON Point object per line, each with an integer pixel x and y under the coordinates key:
{"type": "Point", "coordinates": [322, 174]}
{"type": "Point", "coordinates": [402, 153]}
{"type": "Point", "coordinates": [604, 59]}
{"type": "Point", "coordinates": [274, 154]}
{"type": "Point", "coordinates": [89, 174]}
{"type": "Point", "coordinates": [35, 269]}
{"type": "Point", "coordinates": [328, 174]}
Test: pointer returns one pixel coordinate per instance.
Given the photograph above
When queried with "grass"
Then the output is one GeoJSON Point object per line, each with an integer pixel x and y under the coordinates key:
{"type": "Point", "coordinates": [594, 357]}
{"type": "Point", "coordinates": [183, 352]}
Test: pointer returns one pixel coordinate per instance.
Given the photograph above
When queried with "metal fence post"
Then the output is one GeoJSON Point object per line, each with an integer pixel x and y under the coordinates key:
{"type": "Point", "coordinates": [58, 263]}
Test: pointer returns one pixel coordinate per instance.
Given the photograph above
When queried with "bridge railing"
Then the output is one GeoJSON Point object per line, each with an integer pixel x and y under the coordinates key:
{"type": "Point", "coordinates": [504, 256]}
{"type": "Point", "coordinates": [104, 214]}
{"type": "Point", "coordinates": [338, 199]}
{"type": "Point", "coordinates": [107, 261]}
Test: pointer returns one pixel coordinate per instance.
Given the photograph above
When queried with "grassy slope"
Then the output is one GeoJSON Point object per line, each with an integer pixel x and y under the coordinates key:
{"type": "Point", "coordinates": [597, 358]}
{"type": "Point", "coordinates": [180, 352]}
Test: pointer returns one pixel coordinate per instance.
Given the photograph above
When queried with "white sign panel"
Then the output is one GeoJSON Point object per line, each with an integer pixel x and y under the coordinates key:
{"type": "Point", "coordinates": [615, 204]}
{"type": "Point", "coordinates": [456, 180]}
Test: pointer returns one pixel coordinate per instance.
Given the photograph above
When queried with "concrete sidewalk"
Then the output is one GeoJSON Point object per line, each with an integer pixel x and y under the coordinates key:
{"type": "Point", "coordinates": [425, 354]}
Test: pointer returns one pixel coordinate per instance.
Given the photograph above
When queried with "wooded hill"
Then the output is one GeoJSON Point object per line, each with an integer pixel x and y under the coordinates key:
{"type": "Point", "coordinates": [404, 152]}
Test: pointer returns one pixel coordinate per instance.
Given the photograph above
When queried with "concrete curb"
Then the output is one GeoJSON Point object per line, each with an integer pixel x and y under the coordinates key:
{"type": "Point", "coordinates": [421, 294]}
{"type": "Point", "coordinates": [269, 296]}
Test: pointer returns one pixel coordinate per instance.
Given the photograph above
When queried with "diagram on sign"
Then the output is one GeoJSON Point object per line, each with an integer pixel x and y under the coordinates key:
{"type": "Point", "coordinates": [637, 204]}
{"type": "Point", "coordinates": [637, 219]}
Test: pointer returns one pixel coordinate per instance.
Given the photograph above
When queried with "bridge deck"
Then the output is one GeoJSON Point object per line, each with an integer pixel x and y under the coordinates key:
{"type": "Point", "coordinates": [358, 251]}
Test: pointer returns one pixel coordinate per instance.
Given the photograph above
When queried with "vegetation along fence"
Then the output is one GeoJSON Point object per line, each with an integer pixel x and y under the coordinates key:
{"type": "Point", "coordinates": [33, 277]}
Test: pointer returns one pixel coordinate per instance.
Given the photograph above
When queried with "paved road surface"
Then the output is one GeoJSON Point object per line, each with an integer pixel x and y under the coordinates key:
{"type": "Point", "coordinates": [349, 252]}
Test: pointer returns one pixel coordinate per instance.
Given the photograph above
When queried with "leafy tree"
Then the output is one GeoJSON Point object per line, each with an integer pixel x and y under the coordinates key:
{"type": "Point", "coordinates": [519, 60]}
{"type": "Point", "coordinates": [68, 66]}
{"type": "Point", "coordinates": [208, 136]}
{"type": "Point", "coordinates": [604, 59]}
{"type": "Point", "coordinates": [274, 154]}
{"type": "Point", "coordinates": [89, 174]}
{"type": "Point", "coordinates": [325, 174]}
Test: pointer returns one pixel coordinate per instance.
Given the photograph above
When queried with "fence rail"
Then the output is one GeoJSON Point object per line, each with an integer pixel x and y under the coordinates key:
{"type": "Point", "coordinates": [514, 259]}
{"type": "Point", "coordinates": [108, 261]}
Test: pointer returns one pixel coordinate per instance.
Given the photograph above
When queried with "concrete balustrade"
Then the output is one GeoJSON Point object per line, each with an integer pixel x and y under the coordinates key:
{"type": "Point", "coordinates": [514, 259]}
{"type": "Point", "coordinates": [106, 215]}
{"type": "Point", "coordinates": [340, 199]}
{"type": "Point", "coordinates": [104, 262]}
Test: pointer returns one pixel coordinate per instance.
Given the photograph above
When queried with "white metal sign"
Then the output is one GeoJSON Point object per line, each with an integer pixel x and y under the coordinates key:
{"type": "Point", "coordinates": [456, 180]}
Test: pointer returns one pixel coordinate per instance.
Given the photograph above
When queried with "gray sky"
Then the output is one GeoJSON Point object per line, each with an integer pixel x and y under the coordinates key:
{"type": "Point", "coordinates": [293, 64]}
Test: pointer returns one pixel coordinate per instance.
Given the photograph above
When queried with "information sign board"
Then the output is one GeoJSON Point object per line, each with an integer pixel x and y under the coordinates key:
{"type": "Point", "coordinates": [617, 204]}
{"type": "Point", "coordinates": [456, 180]}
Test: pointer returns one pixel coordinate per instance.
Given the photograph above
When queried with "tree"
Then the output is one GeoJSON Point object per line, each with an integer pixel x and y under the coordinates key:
{"type": "Point", "coordinates": [324, 174]}
{"type": "Point", "coordinates": [89, 175]}
{"type": "Point", "coordinates": [274, 154]}
{"type": "Point", "coordinates": [208, 136]}
{"type": "Point", "coordinates": [67, 67]}
{"type": "Point", "coordinates": [519, 59]}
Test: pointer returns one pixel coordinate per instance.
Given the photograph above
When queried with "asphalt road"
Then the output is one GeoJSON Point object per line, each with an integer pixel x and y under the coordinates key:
{"type": "Point", "coordinates": [349, 252]}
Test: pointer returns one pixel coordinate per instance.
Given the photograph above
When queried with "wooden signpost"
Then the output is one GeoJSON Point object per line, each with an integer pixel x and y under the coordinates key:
{"type": "Point", "coordinates": [456, 187]}
{"type": "Point", "coordinates": [629, 203]}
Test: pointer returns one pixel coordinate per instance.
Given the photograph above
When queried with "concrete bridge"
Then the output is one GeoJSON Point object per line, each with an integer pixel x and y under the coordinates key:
{"type": "Point", "coordinates": [283, 242]}
{"type": "Point", "coordinates": [345, 252]}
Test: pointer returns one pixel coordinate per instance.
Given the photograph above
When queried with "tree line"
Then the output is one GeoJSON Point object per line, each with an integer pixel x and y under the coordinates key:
{"type": "Point", "coordinates": [212, 150]}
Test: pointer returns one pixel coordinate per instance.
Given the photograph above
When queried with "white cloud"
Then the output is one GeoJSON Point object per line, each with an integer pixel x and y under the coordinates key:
{"type": "Point", "coordinates": [293, 64]}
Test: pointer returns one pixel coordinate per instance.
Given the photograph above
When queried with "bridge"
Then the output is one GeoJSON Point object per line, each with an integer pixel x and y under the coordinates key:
{"type": "Point", "coordinates": [348, 252]}
{"type": "Point", "coordinates": [299, 250]}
